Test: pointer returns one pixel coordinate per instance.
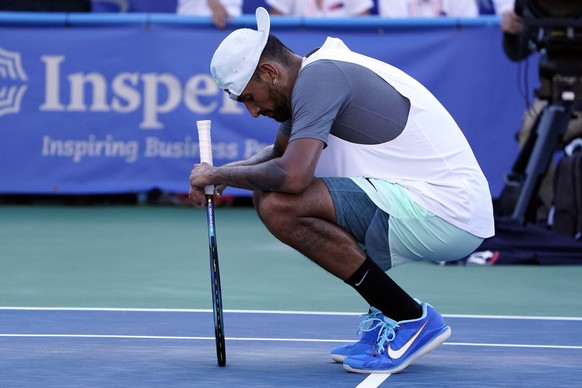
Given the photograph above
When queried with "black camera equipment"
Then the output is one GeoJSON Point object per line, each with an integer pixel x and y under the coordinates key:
{"type": "Point", "coordinates": [554, 29]}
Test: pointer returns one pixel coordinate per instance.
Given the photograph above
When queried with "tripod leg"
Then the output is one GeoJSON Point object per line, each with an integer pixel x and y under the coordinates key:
{"type": "Point", "coordinates": [550, 130]}
{"type": "Point", "coordinates": [505, 203]}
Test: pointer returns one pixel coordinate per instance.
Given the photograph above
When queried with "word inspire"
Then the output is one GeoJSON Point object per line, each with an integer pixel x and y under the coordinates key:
{"type": "Point", "coordinates": [151, 147]}
{"type": "Point", "coordinates": [152, 93]}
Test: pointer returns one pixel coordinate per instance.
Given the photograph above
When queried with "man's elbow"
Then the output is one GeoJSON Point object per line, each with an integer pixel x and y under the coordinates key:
{"type": "Point", "coordinates": [298, 184]}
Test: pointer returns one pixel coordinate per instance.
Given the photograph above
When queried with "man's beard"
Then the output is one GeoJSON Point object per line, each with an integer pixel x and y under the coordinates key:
{"type": "Point", "coordinates": [282, 108]}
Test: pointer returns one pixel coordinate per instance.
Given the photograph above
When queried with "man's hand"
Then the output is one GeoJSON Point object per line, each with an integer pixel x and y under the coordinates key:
{"type": "Point", "coordinates": [219, 14]}
{"type": "Point", "coordinates": [197, 196]}
{"type": "Point", "coordinates": [199, 177]}
{"type": "Point", "coordinates": [511, 23]}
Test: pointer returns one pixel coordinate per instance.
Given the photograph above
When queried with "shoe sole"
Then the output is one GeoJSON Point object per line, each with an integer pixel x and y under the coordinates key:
{"type": "Point", "coordinates": [338, 358]}
{"type": "Point", "coordinates": [435, 343]}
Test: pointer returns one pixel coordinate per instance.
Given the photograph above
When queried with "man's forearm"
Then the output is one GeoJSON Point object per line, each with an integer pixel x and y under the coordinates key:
{"type": "Point", "coordinates": [265, 176]}
{"type": "Point", "coordinates": [262, 156]}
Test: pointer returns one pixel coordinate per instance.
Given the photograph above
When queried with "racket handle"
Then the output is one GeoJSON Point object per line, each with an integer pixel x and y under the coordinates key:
{"type": "Point", "coordinates": [205, 144]}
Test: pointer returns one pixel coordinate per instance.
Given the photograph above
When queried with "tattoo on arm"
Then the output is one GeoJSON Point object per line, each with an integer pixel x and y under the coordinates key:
{"type": "Point", "coordinates": [263, 177]}
{"type": "Point", "coordinates": [262, 156]}
{"type": "Point", "coordinates": [259, 172]}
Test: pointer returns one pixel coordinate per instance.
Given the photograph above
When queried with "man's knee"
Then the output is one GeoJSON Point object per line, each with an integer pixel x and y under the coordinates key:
{"type": "Point", "coordinates": [270, 205]}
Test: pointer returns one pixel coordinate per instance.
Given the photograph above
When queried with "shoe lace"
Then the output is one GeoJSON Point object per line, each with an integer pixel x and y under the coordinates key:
{"type": "Point", "coordinates": [386, 335]}
{"type": "Point", "coordinates": [370, 322]}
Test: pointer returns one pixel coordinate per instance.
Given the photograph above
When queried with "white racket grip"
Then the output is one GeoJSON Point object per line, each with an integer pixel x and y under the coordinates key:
{"type": "Point", "coordinates": [205, 144]}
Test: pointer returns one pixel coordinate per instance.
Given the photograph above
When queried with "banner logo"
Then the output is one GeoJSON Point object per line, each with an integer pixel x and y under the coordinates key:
{"type": "Point", "coordinates": [11, 88]}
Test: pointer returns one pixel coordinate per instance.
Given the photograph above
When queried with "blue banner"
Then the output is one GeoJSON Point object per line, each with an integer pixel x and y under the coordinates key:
{"type": "Point", "coordinates": [110, 106]}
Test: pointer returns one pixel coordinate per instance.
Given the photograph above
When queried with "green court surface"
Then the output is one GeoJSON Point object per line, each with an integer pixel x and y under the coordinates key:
{"type": "Point", "coordinates": [157, 257]}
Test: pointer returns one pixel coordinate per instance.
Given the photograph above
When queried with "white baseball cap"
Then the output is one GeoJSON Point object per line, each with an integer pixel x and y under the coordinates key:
{"type": "Point", "coordinates": [236, 58]}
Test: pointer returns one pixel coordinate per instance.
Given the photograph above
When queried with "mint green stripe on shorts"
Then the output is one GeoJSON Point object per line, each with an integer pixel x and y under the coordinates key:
{"type": "Point", "coordinates": [399, 232]}
{"type": "Point", "coordinates": [414, 233]}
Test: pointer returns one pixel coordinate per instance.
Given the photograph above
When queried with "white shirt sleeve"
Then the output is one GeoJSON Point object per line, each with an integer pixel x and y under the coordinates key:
{"type": "Point", "coordinates": [329, 7]}
{"type": "Point", "coordinates": [201, 8]}
{"type": "Point", "coordinates": [460, 8]}
{"type": "Point", "coordinates": [502, 6]}
{"type": "Point", "coordinates": [408, 8]}
{"type": "Point", "coordinates": [393, 8]}
{"type": "Point", "coordinates": [283, 6]}
{"type": "Point", "coordinates": [357, 7]}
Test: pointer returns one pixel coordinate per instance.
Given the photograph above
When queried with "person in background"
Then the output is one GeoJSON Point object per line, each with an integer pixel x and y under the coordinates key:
{"type": "Point", "coordinates": [221, 11]}
{"type": "Point", "coordinates": [367, 171]}
{"type": "Point", "coordinates": [510, 21]}
{"type": "Point", "coordinates": [320, 8]}
{"type": "Point", "coordinates": [427, 8]}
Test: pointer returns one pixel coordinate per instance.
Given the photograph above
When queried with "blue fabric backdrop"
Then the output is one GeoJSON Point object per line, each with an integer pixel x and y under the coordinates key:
{"type": "Point", "coordinates": [103, 104]}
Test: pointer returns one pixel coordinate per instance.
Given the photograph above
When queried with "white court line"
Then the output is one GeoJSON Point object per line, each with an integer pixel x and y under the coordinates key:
{"type": "Point", "coordinates": [469, 316]}
{"type": "Point", "coordinates": [574, 347]}
{"type": "Point", "coordinates": [159, 337]}
{"type": "Point", "coordinates": [373, 380]}
{"type": "Point", "coordinates": [6, 308]}
{"type": "Point", "coordinates": [167, 310]}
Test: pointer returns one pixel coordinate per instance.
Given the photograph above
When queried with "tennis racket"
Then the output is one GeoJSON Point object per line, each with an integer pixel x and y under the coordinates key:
{"type": "Point", "coordinates": [206, 156]}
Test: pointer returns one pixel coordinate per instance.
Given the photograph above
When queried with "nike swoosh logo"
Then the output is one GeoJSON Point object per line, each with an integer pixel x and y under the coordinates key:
{"type": "Point", "coordinates": [396, 354]}
{"type": "Point", "coordinates": [360, 282]}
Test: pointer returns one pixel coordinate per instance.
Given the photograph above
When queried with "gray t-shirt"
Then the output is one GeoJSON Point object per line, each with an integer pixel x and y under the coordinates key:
{"type": "Point", "coordinates": [347, 100]}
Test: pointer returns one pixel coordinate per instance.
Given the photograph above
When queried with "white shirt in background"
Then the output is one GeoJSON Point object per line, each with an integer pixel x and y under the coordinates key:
{"type": "Point", "coordinates": [427, 8]}
{"type": "Point", "coordinates": [502, 6]}
{"type": "Point", "coordinates": [200, 7]}
{"type": "Point", "coordinates": [321, 7]}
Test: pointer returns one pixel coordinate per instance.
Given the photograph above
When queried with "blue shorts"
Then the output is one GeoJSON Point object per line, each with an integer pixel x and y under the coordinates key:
{"type": "Point", "coordinates": [407, 233]}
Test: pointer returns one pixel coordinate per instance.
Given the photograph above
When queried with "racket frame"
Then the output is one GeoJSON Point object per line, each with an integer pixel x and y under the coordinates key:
{"type": "Point", "coordinates": [205, 144]}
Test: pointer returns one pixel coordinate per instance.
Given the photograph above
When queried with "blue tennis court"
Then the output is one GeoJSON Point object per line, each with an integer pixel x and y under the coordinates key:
{"type": "Point", "coordinates": [116, 296]}
{"type": "Point", "coordinates": [149, 348]}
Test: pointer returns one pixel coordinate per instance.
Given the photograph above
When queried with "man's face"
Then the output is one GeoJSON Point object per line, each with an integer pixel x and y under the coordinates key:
{"type": "Point", "coordinates": [266, 99]}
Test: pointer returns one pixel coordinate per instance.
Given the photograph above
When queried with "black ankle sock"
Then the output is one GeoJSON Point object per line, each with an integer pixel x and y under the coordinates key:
{"type": "Point", "coordinates": [378, 289]}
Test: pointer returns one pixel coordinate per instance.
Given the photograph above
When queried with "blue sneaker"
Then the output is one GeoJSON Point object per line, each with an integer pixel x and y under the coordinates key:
{"type": "Point", "coordinates": [401, 343]}
{"type": "Point", "coordinates": [370, 327]}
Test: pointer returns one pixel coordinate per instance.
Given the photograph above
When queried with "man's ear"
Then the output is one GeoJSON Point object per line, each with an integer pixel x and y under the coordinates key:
{"type": "Point", "coordinates": [268, 71]}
